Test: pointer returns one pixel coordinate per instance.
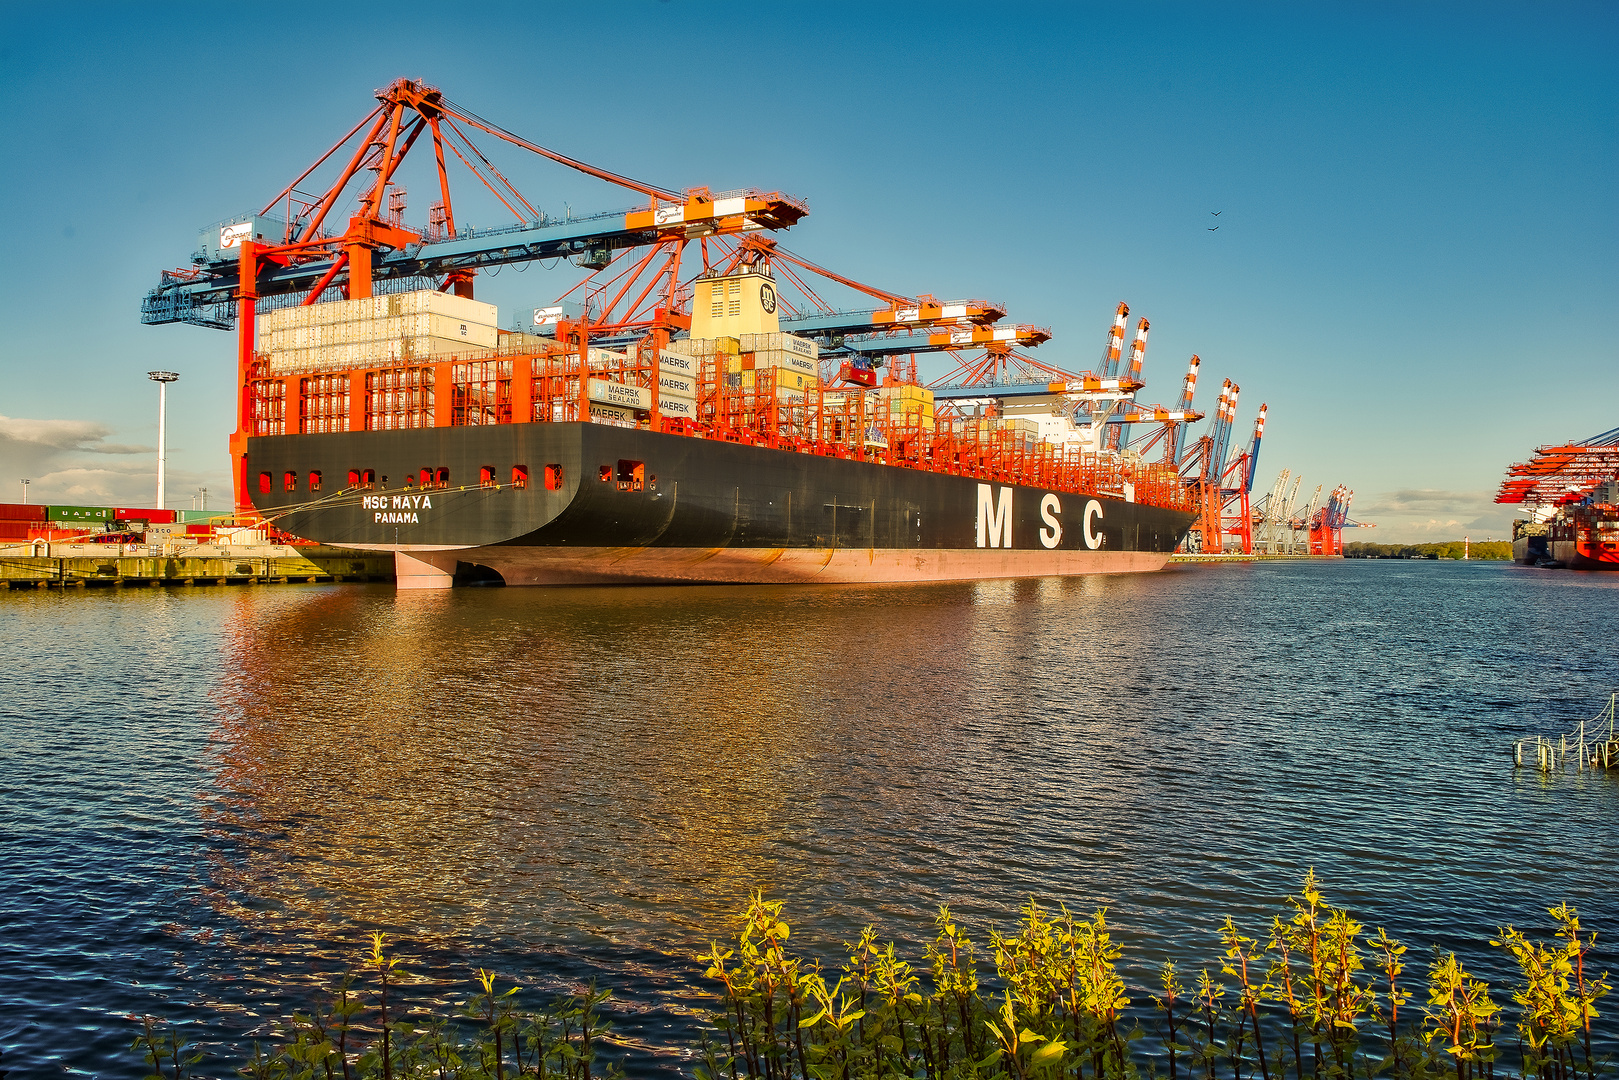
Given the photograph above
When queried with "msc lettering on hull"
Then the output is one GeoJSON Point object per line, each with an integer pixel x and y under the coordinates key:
{"type": "Point", "coordinates": [397, 502]}
{"type": "Point", "coordinates": [995, 516]}
{"type": "Point", "coordinates": [396, 509]}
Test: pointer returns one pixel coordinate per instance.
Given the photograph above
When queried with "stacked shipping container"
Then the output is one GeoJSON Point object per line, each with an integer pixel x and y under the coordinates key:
{"type": "Point", "coordinates": [375, 330]}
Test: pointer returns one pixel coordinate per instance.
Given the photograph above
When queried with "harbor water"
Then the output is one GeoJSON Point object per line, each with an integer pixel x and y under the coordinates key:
{"type": "Point", "coordinates": [209, 797]}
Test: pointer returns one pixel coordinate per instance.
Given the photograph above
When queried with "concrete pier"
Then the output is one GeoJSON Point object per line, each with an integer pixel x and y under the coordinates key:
{"type": "Point", "coordinates": [255, 565]}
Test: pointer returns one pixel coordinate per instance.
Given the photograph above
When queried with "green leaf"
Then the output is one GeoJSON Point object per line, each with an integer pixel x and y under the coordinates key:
{"type": "Point", "coordinates": [1049, 1051]}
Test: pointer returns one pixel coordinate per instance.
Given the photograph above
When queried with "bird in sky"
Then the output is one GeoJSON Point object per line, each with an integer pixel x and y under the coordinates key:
{"type": "Point", "coordinates": [1215, 229]}
{"type": "Point", "coordinates": [1216, 213]}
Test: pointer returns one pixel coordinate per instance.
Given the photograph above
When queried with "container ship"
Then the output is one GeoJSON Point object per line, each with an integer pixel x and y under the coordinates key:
{"type": "Point", "coordinates": [1572, 493]}
{"type": "Point", "coordinates": [512, 461]}
{"type": "Point", "coordinates": [684, 431]}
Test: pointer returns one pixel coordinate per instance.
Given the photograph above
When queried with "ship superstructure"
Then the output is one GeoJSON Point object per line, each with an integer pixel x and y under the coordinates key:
{"type": "Point", "coordinates": [1571, 491]}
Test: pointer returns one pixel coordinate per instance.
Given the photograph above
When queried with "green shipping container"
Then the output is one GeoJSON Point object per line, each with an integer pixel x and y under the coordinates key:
{"type": "Point", "coordinates": [79, 513]}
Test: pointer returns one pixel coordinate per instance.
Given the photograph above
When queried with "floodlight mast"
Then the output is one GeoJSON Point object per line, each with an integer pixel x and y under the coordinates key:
{"type": "Point", "coordinates": [162, 378]}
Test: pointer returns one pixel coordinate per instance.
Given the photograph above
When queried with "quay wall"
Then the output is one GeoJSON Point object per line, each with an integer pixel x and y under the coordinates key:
{"type": "Point", "coordinates": [259, 565]}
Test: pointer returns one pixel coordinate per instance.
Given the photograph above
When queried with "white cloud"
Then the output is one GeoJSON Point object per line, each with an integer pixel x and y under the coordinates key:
{"type": "Point", "coordinates": [67, 461]}
{"type": "Point", "coordinates": [1428, 515]}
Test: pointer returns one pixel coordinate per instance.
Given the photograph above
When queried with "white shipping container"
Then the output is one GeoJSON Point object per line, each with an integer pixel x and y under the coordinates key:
{"type": "Point", "coordinates": [678, 364]}
{"type": "Point", "coordinates": [776, 358]}
{"type": "Point", "coordinates": [428, 324]}
{"type": "Point", "coordinates": [611, 414]}
{"type": "Point", "coordinates": [677, 406]}
{"type": "Point", "coordinates": [374, 308]}
{"type": "Point", "coordinates": [431, 302]}
{"type": "Point", "coordinates": [781, 343]}
{"type": "Point", "coordinates": [614, 393]}
{"type": "Point", "coordinates": [604, 359]}
{"type": "Point", "coordinates": [672, 385]}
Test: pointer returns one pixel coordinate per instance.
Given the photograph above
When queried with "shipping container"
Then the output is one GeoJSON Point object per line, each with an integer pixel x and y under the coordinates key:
{"type": "Point", "coordinates": [22, 511]}
{"type": "Point", "coordinates": [124, 513]}
{"type": "Point", "coordinates": [787, 343]}
{"type": "Point", "coordinates": [671, 385]}
{"type": "Point", "coordinates": [776, 358]}
{"type": "Point", "coordinates": [611, 414]}
{"type": "Point", "coordinates": [620, 394]}
{"type": "Point", "coordinates": [371, 308]}
{"type": "Point", "coordinates": [678, 364]}
{"type": "Point", "coordinates": [467, 335]}
{"type": "Point", "coordinates": [79, 513]}
{"type": "Point", "coordinates": [677, 406]}
{"type": "Point", "coordinates": [607, 359]}
{"type": "Point", "coordinates": [795, 380]}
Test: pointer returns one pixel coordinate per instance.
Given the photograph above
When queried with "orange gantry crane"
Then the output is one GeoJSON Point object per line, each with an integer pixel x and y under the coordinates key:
{"type": "Point", "coordinates": [299, 250]}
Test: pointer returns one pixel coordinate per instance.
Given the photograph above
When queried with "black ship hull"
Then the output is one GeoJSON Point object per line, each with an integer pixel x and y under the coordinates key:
{"type": "Point", "coordinates": [565, 503]}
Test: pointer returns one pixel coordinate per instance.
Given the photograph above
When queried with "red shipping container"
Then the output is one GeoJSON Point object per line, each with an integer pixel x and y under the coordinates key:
{"type": "Point", "coordinates": [199, 530]}
{"type": "Point", "coordinates": [13, 531]}
{"type": "Point", "coordinates": [22, 511]}
{"type": "Point", "coordinates": [158, 517]}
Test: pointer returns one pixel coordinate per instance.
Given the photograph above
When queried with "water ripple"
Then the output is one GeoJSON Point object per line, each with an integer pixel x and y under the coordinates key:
{"type": "Point", "coordinates": [210, 797]}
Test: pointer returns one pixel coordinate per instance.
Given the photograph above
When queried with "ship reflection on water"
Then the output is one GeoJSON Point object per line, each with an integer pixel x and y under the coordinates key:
{"type": "Point", "coordinates": [565, 767]}
{"type": "Point", "coordinates": [567, 782]}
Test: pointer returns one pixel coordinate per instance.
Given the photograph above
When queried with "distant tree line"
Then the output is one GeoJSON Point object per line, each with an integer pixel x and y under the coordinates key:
{"type": "Point", "coordinates": [1451, 549]}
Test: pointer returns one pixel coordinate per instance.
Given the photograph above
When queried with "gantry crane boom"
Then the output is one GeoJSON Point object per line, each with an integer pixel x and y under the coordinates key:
{"type": "Point", "coordinates": [975, 337]}
{"type": "Point", "coordinates": [1253, 447]}
{"type": "Point", "coordinates": [300, 254]}
{"type": "Point", "coordinates": [216, 280]}
{"type": "Point", "coordinates": [1115, 341]}
{"type": "Point", "coordinates": [1119, 437]}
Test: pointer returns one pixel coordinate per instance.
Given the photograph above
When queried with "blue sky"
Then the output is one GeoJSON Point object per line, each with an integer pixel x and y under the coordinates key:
{"type": "Point", "coordinates": [1415, 266]}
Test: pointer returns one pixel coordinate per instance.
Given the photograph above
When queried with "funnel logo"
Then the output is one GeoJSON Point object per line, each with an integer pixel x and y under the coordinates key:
{"type": "Point", "coordinates": [767, 299]}
{"type": "Point", "coordinates": [231, 235]}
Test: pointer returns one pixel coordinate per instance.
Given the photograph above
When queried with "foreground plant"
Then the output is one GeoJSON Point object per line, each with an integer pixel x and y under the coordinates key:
{"type": "Point", "coordinates": [358, 1033]}
{"type": "Point", "coordinates": [1316, 998]}
{"type": "Point", "coordinates": [1302, 1003]}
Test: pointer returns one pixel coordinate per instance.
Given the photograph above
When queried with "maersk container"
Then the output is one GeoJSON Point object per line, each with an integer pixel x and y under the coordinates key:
{"type": "Point", "coordinates": [677, 364]}
{"type": "Point", "coordinates": [619, 394]}
{"type": "Point", "coordinates": [677, 406]}
{"type": "Point", "coordinates": [672, 385]}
